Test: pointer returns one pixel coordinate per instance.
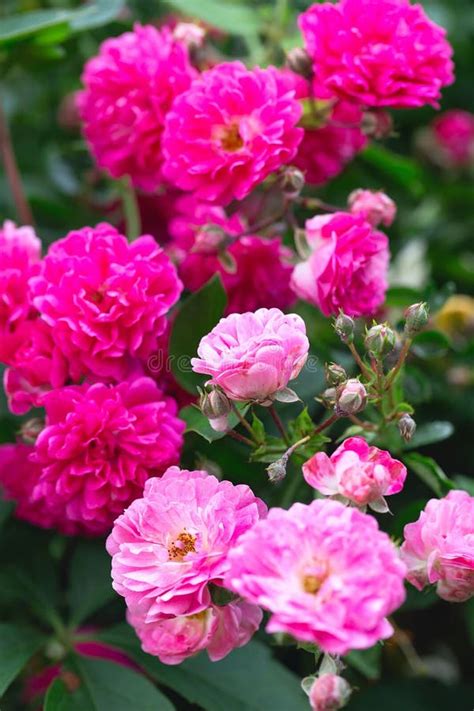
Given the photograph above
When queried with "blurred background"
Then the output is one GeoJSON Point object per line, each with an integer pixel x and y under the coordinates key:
{"type": "Point", "coordinates": [433, 259]}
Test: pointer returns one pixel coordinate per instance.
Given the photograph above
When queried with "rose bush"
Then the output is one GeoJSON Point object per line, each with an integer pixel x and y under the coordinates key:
{"type": "Point", "coordinates": [235, 418]}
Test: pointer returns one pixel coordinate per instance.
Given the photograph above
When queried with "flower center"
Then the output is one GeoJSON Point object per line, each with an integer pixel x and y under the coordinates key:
{"type": "Point", "coordinates": [314, 577]}
{"type": "Point", "coordinates": [230, 138]}
{"type": "Point", "coordinates": [311, 584]}
{"type": "Point", "coordinates": [181, 546]}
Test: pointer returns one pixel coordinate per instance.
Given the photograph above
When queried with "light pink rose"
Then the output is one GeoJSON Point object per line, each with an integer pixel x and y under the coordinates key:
{"type": "Point", "coordinates": [218, 630]}
{"type": "Point", "coordinates": [359, 473]}
{"type": "Point", "coordinates": [347, 268]}
{"type": "Point", "coordinates": [439, 547]}
{"type": "Point", "coordinates": [252, 356]}
{"type": "Point", "coordinates": [378, 52]}
{"type": "Point", "coordinates": [171, 543]}
{"type": "Point", "coordinates": [374, 205]}
{"type": "Point", "coordinates": [325, 571]}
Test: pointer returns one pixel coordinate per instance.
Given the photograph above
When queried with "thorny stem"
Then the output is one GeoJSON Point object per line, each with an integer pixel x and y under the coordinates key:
{"type": "Point", "coordinates": [363, 368]}
{"type": "Point", "coordinates": [326, 423]}
{"type": "Point", "coordinates": [316, 204]}
{"type": "Point", "coordinates": [242, 420]}
{"type": "Point", "coordinates": [240, 438]}
{"type": "Point", "coordinates": [12, 172]}
{"type": "Point", "coordinates": [280, 426]}
{"type": "Point", "coordinates": [130, 209]}
{"type": "Point", "coordinates": [401, 359]}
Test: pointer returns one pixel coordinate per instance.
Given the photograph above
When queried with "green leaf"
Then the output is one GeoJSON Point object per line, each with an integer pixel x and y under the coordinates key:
{"type": "Point", "coordinates": [196, 422]}
{"type": "Point", "coordinates": [429, 472]}
{"type": "Point", "coordinates": [56, 696]}
{"type": "Point", "coordinates": [109, 686]}
{"type": "Point", "coordinates": [430, 344]}
{"type": "Point", "coordinates": [90, 584]}
{"type": "Point", "coordinates": [20, 27]}
{"type": "Point", "coordinates": [270, 451]}
{"type": "Point", "coordinates": [236, 19]}
{"type": "Point", "coordinates": [430, 433]}
{"type": "Point", "coordinates": [249, 679]}
{"type": "Point", "coordinates": [197, 316]}
{"type": "Point", "coordinates": [17, 646]}
{"type": "Point", "coordinates": [366, 661]}
{"type": "Point", "coordinates": [464, 482]}
{"type": "Point", "coordinates": [402, 296]}
{"type": "Point", "coordinates": [258, 428]}
{"type": "Point", "coordinates": [404, 171]}
{"type": "Point", "coordinates": [46, 26]}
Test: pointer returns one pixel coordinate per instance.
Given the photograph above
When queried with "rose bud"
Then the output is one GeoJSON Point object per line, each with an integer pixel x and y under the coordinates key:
{"type": "Point", "coordinates": [216, 407]}
{"type": "Point", "coordinates": [329, 693]}
{"type": "Point", "coordinates": [416, 317]}
{"type": "Point", "coordinates": [374, 205]}
{"type": "Point", "coordinates": [380, 340]}
{"type": "Point", "coordinates": [344, 327]}
{"type": "Point", "coordinates": [335, 374]}
{"type": "Point", "coordinates": [299, 61]}
{"type": "Point", "coordinates": [406, 426]}
{"type": "Point", "coordinates": [351, 397]}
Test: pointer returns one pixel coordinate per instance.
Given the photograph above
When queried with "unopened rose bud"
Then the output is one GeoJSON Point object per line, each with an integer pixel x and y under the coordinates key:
{"type": "Point", "coordinates": [380, 340]}
{"type": "Point", "coordinates": [292, 181]}
{"type": "Point", "coordinates": [210, 240]}
{"type": "Point", "coordinates": [377, 123]}
{"type": "Point", "coordinates": [31, 429]}
{"type": "Point", "coordinates": [416, 317]}
{"type": "Point", "coordinates": [299, 61]}
{"type": "Point", "coordinates": [344, 327]}
{"type": "Point", "coordinates": [406, 427]}
{"type": "Point", "coordinates": [216, 407]}
{"type": "Point", "coordinates": [374, 205]}
{"type": "Point", "coordinates": [277, 470]}
{"type": "Point", "coordinates": [328, 398]}
{"type": "Point", "coordinates": [351, 397]}
{"type": "Point", "coordinates": [335, 374]}
{"type": "Point", "coordinates": [329, 692]}
{"type": "Point", "coordinates": [189, 34]}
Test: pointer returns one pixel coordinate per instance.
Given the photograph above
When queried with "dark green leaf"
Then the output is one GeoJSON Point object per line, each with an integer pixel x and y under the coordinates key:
{"type": "Point", "coordinates": [430, 344]}
{"type": "Point", "coordinates": [90, 584]}
{"type": "Point", "coordinates": [258, 428]}
{"type": "Point", "coordinates": [22, 26]}
{"type": "Point", "coordinates": [268, 452]}
{"type": "Point", "coordinates": [249, 679]}
{"type": "Point", "coordinates": [402, 296]}
{"type": "Point", "coordinates": [429, 433]}
{"type": "Point", "coordinates": [109, 686]}
{"type": "Point", "coordinates": [196, 422]}
{"type": "Point", "coordinates": [366, 661]}
{"type": "Point", "coordinates": [17, 646]}
{"type": "Point", "coordinates": [95, 14]}
{"type": "Point", "coordinates": [404, 171]}
{"type": "Point", "coordinates": [198, 315]}
{"type": "Point", "coordinates": [231, 17]}
{"type": "Point", "coordinates": [429, 472]}
{"type": "Point", "coordinates": [56, 697]}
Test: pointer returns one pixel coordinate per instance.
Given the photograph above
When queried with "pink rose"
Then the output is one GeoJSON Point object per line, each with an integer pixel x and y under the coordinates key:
{"type": "Point", "coordinates": [454, 135]}
{"type": "Point", "coordinates": [439, 547]}
{"type": "Point", "coordinates": [347, 268]}
{"type": "Point", "coordinates": [374, 205]}
{"type": "Point", "coordinates": [359, 473]}
{"type": "Point", "coordinates": [378, 52]}
{"type": "Point", "coordinates": [252, 356]}
{"type": "Point", "coordinates": [229, 131]}
{"type": "Point", "coordinates": [325, 571]}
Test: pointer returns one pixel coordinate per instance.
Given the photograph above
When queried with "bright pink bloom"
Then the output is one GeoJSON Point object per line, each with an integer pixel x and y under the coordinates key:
{"type": "Point", "coordinates": [378, 52]}
{"type": "Point", "coordinates": [104, 299]}
{"type": "Point", "coordinates": [454, 134]}
{"type": "Point", "coordinates": [100, 445]}
{"type": "Point", "coordinates": [252, 356]}
{"type": "Point", "coordinates": [262, 265]}
{"type": "Point", "coordinates": [18, 477]}
{"type": "Point", "coordinates": [374, 205]}
{"type": "Point", "coordinates": [171, 543]}
{"type": "Point", "coordinates": [37, 365]}
{"type": "Point", "coordinates": [356, 471]}
{"type": "Point", "coordinates": [229, 131]}
{"type": "Point", "coordinates": [129, 88]}
{"type": "Point", "coordinates": [324, 571]}
{"type": "Point", "coordinates": [20, 252]}
{"type": "Point", "coordinates": [329, 692]}
{"type": "Point", "coordinates": [439, 547]}
{"type": "Point", "coordinates": [217, 629]}
{"type": "Point", "coordinates": [347, 268]}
